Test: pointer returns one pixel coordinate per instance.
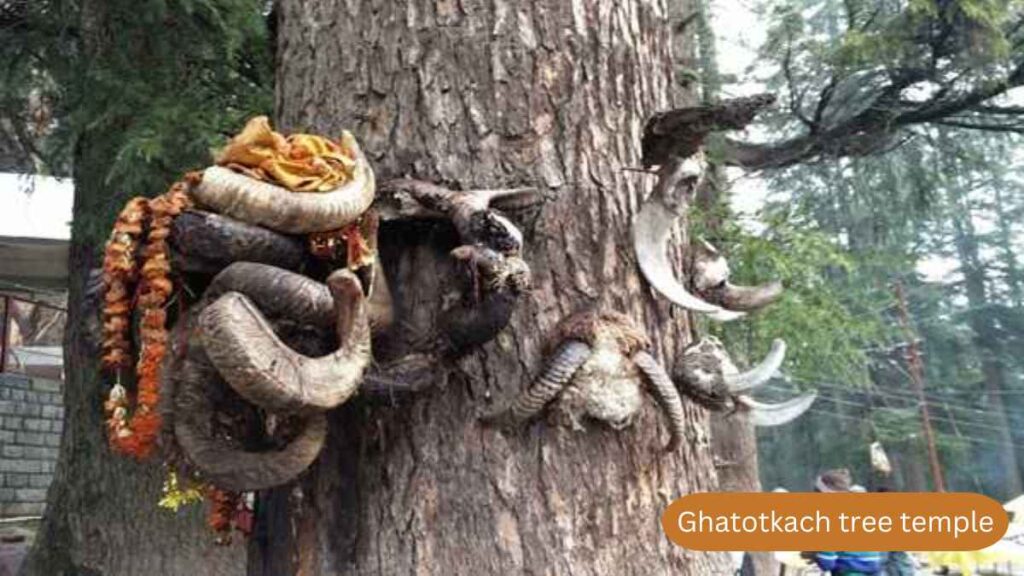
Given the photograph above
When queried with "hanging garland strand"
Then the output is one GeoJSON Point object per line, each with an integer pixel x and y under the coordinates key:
{"type": "Point", "coordinates": [135, 434]}
{"type": "Point", "coordinates": [119, 275]}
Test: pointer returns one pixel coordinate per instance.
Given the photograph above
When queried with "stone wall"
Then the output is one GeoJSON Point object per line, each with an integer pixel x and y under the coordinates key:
{"type": "Point", "coordinates": [31, 421]}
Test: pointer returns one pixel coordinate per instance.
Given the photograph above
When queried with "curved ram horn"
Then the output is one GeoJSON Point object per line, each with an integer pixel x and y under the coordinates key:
{"type": "Point", "coordinates": [558, 372]}
{"type": "Point", "coordinates": [776, 414]}
{"type": "Point", "coordinates": [759, 374]}
{"type": "Point", "coordinates": [195, 385]}
{"type": "Point", "coordinates": [208, 242]}
{"type": "Point", "coordinates": [666, 394]}
{"type": "Point", "coordinates": [278, 208]}
{"type": "Point", "coordinates": [651, 233]}
{"type": "Point", "coordinates": [711, 281]}
{"type": "Point", "coordinates": [278, 293]}
{"type": "Point", "coordinates": [291, 297]}
{"type": "Point", "coordinates": [264, 370]}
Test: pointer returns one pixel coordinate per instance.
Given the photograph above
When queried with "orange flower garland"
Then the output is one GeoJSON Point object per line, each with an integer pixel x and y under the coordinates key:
{"type": "Point", "coordinates": [136, 436]}
{"type": "Point", "coordinates": [119, 273]}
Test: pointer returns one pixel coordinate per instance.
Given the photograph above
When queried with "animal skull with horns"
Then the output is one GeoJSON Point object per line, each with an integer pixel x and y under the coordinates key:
{"type": "Point", "coordinates": [673, 141]}
{"type": "Point", "coordinates": [598, 371]}
{"type": "Point", "coordinates": [707, 375]}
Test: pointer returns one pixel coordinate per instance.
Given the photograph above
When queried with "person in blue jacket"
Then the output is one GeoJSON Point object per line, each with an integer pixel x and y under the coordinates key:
{"type": "Point", "coordinates": [843, 563]}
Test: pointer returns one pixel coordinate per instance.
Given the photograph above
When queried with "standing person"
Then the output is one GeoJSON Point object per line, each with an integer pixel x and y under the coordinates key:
{"type": "Point", "coordinates": [842, 563]}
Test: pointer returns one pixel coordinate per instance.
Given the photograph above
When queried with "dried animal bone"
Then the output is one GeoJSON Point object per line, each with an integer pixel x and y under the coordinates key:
{"type": "Point", "coordinates": [495, 283]}
{"type": "Point", "coordinates": [711, 283]}
{"type": "Point", "coordinates": [471, 212]}
{"type": "Point", "coordinates": [491, 252]}
{"type": "Point", "coordinates": [707, 375]}
{"type": "Point", "coordinates": [598, 372]}
{"type": "Point", "coordinates": [680, 133]}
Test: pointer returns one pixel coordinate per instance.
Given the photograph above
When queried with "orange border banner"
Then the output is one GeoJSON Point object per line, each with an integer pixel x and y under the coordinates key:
{"type": "Point", "coordinates": [880, 522]}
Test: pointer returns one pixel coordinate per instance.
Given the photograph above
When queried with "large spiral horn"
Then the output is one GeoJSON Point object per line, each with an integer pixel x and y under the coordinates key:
{"type": "Point", "coordinates": [264, 370]}
{"type": "Point", "coordinates": [229, 463]}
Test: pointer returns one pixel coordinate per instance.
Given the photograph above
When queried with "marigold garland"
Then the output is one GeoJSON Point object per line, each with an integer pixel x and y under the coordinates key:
{"type": "Point", "coordinates": [135, 434]}
{"type": "Point", "coordinates": [119, 274]}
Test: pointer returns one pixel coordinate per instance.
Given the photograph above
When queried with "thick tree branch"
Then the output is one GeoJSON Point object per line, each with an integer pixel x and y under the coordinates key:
{"type": "Point", "coordinates": [875, 128]}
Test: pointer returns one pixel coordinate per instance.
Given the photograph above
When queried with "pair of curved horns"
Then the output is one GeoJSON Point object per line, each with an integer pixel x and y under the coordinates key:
{"type": "Point", "coordinates": [242, 345]}
{"type": "Point", "coordinates": [256, 202]}
{"type": "Point", "coordinates": [559, 371]}
{"type": "Point", "coordinates": [719, 299]}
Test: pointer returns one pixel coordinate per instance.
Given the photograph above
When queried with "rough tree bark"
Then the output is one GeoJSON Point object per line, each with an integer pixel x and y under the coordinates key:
{"type": "Point", "coordinates": [490, 94]}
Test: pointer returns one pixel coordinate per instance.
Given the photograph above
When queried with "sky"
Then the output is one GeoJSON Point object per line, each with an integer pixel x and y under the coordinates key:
{"type": "Point", "coordinates": [35, 206]}
{"type": "Point", "coordinates": [738, 33]}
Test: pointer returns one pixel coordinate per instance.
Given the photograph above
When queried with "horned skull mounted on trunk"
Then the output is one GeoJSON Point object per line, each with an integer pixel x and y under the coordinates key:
{"type": "Point", "coordinates": [602, 363]}
{"type": "Point", "coordinates": [707, 375]}
{"type": "Point", "coordinates": [673, 141]}
{"type": "Point", "coordinates": [598, 371]}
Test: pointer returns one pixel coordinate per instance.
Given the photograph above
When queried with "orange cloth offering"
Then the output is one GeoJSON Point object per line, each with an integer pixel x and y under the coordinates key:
{"type": "Point", "coordinates": [300, 162]}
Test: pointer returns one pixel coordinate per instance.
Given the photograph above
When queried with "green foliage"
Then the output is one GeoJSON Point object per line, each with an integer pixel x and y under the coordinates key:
{"type": "Point", "coordinates": [138, 91]}
{"type": "Point", "coordinates": [826, 316]}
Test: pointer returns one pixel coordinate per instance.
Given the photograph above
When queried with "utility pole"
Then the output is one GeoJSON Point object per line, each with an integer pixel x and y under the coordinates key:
{"type": "Point", "coordinates": [916, 369]}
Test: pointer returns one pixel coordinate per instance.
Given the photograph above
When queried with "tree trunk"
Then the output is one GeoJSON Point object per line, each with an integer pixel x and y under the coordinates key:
{"type": "Point", "coordinates": [102, 517]}
{"type": "Point", "coordinates": [734, 443]}
{"type": "Point", "coordinates": [986, 336]}
{"type": "Point", "coordinates": [480, 95]}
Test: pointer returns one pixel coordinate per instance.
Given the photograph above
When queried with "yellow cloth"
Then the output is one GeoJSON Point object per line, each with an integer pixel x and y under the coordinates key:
{"type": "Point", "coordinates": [300, 162]}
